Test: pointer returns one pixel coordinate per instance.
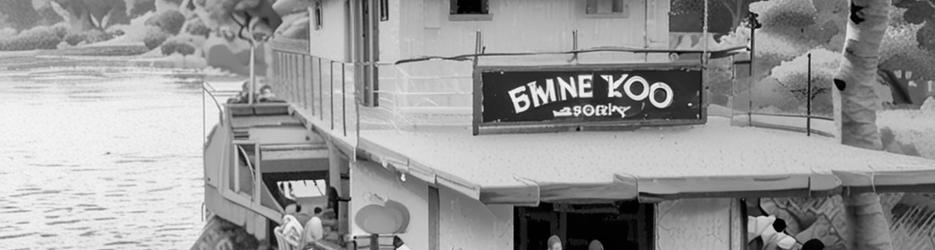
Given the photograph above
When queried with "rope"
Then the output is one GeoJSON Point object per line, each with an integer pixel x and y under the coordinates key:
{"type": "Point", "coordinates": [467, 57]}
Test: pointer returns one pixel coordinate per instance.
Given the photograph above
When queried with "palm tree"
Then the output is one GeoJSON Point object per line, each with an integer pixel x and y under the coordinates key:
{"type": "Point", "coordinates": [855, 111]}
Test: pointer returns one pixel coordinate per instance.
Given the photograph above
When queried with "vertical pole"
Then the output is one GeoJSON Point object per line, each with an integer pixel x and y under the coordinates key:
{"type": "Point", "coordinates": [478, 46]}
{"type": "Point", "coordinates": [752, 77]}
{"type": "Point", "coordinates": [331, 91]}
{"type": "Point", "coordinates": [257, 174]}
{"type": "Point", "coordinates": [574, 46]}
{"type": "Point", "coordinates": [343, 100]}
{"type": "Point", "coordinates": [321, 98]}
{"type": "Point", "coordinates": [204, 120]}
{"type": "Point", "coordinates": [704, 56]}
{"type": "Point", "coordinates": [808, 98]}
{"type": "Point", "coordinates": [252, 74]}
{"type": "Point", "coordinates": [645, 29]}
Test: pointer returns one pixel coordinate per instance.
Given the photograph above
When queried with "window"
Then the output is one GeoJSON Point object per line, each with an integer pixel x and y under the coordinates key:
{"type": "Point", "coordinates": [606, 7]}
{"type": "Point", "coordinates": [617, 225]}
{"type": "Point", "coordinates": [318, 18]}
{"type": "Point", "coordinates": [469, 10]}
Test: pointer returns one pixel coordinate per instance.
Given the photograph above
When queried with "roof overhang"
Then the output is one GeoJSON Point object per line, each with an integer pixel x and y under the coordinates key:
{"type": "Point", "coordinates": [649, 164]}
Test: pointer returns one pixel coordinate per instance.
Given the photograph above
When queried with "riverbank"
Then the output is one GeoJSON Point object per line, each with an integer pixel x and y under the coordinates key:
{"type": "Point", "coordinates": [117, 55]}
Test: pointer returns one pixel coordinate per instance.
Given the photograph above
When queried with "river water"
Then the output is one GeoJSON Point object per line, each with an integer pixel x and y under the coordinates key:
{"type": "Point", "coordinates": [100, 159]}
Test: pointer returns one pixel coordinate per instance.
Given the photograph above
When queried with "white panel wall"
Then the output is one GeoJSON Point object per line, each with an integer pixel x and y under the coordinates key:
{"type": "Point", "coordinates": [466, 223]}
{"type": "Point", "coordinates": [369, 178]}
{"type": "Point", "coordinates": [696, 224]}
{"type": "Point", "coordinates": [331, 41]}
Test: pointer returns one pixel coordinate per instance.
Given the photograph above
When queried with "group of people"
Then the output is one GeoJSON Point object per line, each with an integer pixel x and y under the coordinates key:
{"type": "Point", "coordinates": [768, 232]}
{"type": "Point", "coordinates": [263, 94]}
{"type": "Point", "coordinates": [301, 228]}
{"type": "Point", "coordinates": [555, 243]}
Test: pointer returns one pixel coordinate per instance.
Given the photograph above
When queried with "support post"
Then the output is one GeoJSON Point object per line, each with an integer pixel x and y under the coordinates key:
{"type": "Point", "coordinates": [252, 73]}
{"type": "Point", "coordinates": [808, 98]}
{"type": "Point", "coordinates": [752, 77]}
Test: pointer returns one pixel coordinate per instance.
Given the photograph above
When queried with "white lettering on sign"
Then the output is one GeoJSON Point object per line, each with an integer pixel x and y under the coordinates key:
{"type": "Point", "coordinates": [520, 99]}
{"type": "Point", "coordinates": [540, 96]}
{"type": "Point", "coordinates": [584, 86]}
{"type": "Point", "coordinates": [534, 94]}
{"type": "Point", "coordinates": [613, 85]}
{"type": "Point", "coordinates": [592, 110]}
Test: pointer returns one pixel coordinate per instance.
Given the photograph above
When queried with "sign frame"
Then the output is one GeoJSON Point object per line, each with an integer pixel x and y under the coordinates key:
{"type": "Point", "coordinates": [481, 127]}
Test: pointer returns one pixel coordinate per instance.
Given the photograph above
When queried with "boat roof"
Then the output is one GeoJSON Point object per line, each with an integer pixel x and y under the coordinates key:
{"type": "Point", "coordinates": [651, 163]}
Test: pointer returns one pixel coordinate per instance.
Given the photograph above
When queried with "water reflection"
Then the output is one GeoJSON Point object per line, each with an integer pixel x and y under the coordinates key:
{"type": "Point", "coordinates": [96, 159]}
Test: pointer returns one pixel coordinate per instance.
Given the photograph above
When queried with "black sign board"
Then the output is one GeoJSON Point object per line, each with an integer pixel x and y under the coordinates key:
{"type": "Point", "coordinates": [552, 98]}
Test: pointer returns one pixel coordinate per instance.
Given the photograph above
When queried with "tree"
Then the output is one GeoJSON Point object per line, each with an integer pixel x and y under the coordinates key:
{"type": "Point", "coordinates": [252, 17]}
{"type": "Point", "coordinates": [921, 12]}
{"type": "Point", "coordinates": [855, 104]}
{"type": "Point", "coordinates": [170, 21]}
{"type": "Point", "coordinates": [723, 15]}
{"type": "Point", "coordinates": [137, 8]}
{"type": "Point", "coordinates": [155, 36]}
{"type": "Point", "coordinates": [18, 14]}
{"type": "Point", "coordinates": [90, 14]}
{"type": "Point", "coordinates": [198, 27]}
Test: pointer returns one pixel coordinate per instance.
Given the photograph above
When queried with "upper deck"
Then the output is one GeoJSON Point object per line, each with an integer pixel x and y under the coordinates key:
{"type": "Point", "coordinates": [404, 92]}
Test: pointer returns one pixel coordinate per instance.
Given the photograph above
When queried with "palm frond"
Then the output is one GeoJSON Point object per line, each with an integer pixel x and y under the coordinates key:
{"type": "Point", "coordinates": [914, 229]}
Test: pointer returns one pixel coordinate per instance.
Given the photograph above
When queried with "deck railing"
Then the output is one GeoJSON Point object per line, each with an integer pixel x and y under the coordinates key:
{"type": "Point", "coordinates": [322, 88]}
{"type": "Point", "coordinates": [412, 93]}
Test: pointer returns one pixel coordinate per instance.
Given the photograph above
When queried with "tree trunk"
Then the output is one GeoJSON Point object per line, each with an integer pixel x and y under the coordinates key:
{"type": "Point", "coordinates": [75, 13]}
{"type": "Point", "coordinates": [855, 107]}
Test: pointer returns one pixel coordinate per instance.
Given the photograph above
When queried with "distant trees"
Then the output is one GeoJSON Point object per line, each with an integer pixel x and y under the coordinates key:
{"type": "Point", "coordinates": [170, 21]}
{"type": "Point", "coordinates": [177, 46]}
{"type": "Point", "coordinates": [40, 37]}
{"type": "Point", "coordinates": [920, 12]}
{"type": "Point", "coordinates": [18, 14]}
{"type": "Point", "coordinates": [84, 15]}
{"type": "Point", "coordinates": [197, 27]}
{"type": "Point", "coordinates": [154, 37]}
{"type": "Point", "coordinates": [250, 17]}
{"type": "Point", "coordinates": [723, 15]}
{"type": "Point", "coordinates": [137, 8]}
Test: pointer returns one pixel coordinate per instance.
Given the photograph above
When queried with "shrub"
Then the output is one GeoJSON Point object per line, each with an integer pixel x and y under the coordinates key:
{"type": "Point", "coordinates": [74, 38]}
{"type": "Point", "coordinates": [60, 29]}
{"type": "Point", "coordinates": [94, 36]}
{"type": "Point", "coordinates": [90, 36]}
{"type": "Point", "coordinates": [170, 21]}
{"type": "Point", "coordinates": [198, 27]}
{"type": "Point", "coordinates": [169, 47]}
{"type": "Point", "coordinates": [154, 37]}
{"type": "Point", "coordinates": [40, 37]}
{"type": "Point", "coordinates": [185, 49]}
{"type": "Point", "coordinates": [177, 46]}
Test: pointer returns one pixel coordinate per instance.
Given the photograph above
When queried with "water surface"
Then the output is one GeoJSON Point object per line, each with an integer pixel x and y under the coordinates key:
{"type": "Point", "coordinates": [100, 159]}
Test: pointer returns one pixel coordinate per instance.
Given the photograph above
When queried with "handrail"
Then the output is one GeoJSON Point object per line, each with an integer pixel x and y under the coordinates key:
{"type": "Point", "coordinates": [794, 115]}
{"type": "Point", "coordinates": [249, 165]}
{"type": "Point", "coordinates": [204, 86]}
{"type": "Point", "coordinates": [465, 57]}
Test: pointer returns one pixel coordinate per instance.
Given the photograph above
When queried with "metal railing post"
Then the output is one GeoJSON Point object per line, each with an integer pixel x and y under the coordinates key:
{"type": "Point", "coordinates": [343, 99]}
{"type": "Point", "coordinates": [252, 73]}
{"type": "Point", "coordinates": [331, 91]}
{"type": "Point", "coordinates": [321, 97]}
{"type": "Point", "coordinates": [808, 99]}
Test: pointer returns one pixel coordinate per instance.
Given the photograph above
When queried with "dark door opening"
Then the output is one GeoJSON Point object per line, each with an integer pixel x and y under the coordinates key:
{"type": "Point", "coordinates": [617, 225]}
